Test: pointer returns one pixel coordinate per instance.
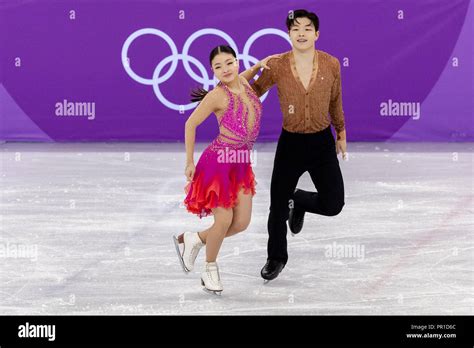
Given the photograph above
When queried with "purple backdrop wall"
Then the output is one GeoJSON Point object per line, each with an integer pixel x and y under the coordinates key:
{"type": "Point", "coordinates": [122, 70]}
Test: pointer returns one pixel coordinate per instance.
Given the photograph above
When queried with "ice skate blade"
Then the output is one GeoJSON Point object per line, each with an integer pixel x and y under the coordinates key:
{"type": "Point", "coordinates": [266, 281]}
{"type": "Point", "coordinates": [181, 261]}
{"type": "Point", "coordinates": [212, 292]}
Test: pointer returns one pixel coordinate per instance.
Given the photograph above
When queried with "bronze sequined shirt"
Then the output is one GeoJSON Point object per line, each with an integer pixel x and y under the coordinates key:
{"type": "Point", "coordinates": [306, 111]}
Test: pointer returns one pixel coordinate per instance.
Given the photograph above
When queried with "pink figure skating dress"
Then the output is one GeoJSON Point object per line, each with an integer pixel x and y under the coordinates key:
{"type": "Point", "coordinates": [224, 167]}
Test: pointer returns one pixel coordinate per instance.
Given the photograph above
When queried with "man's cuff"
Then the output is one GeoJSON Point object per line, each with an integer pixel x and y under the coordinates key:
{"type": "Point", "coordinates": [340, 135]}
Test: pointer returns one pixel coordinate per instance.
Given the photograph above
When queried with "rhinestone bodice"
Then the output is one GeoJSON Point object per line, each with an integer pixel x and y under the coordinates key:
{"type": "Point", "coordinates": [239, 125]}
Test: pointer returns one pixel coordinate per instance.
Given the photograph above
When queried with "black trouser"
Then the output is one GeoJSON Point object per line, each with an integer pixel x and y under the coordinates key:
{"type": "Point", "coordinates": [296, 154]}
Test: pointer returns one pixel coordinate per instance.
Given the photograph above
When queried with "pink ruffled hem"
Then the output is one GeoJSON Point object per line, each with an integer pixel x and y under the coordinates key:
{"type": "Point", "coordinates": [201, 200]}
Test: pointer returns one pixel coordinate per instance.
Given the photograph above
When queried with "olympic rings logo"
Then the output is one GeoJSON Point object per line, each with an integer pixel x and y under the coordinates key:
{"type": "Point", "coordinates": [204, 79]}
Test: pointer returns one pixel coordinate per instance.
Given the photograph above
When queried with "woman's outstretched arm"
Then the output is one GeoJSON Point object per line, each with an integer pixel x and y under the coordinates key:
{"type": "Point", "coordinates": [250, 73]}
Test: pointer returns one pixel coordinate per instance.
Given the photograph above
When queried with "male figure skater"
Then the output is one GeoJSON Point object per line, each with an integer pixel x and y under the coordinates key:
{"type": "Point", "coordinates": [309, 88]}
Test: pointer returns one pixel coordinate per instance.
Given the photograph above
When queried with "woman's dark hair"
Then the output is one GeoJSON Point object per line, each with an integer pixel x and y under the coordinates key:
{"type": "Point", "coordinates": [198, 94]}
{"type": "Point", "coordinates": [290, 19]}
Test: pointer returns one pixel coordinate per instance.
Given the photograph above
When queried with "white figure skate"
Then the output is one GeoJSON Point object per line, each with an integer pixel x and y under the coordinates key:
{"type": "Point", "coordinates": [191, 246]}
{"type": "Point", "coordinates": [210, 279]}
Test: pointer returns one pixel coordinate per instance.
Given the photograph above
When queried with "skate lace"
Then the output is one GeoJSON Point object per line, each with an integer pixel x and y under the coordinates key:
{"type": "Point", "coordinates": [213, 272]}
{"type": "Point", "coordinates": [194, 251]}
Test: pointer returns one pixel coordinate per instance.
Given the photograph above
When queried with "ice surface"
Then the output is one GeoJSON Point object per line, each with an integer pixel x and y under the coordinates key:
{"type": "Point", "coordinates": [92, 223]}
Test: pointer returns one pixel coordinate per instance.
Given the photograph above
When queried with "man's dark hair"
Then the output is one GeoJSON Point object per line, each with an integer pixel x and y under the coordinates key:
{"type": "Point", "coordinates": [293, 15]}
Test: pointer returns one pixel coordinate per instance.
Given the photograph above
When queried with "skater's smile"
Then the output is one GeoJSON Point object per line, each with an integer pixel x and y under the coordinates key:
{"type": "Point", "coordinates": [303, 33]}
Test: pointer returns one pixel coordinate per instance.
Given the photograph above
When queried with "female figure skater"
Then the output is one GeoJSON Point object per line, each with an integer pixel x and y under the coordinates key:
{"type": "Point", "coordinates": [220, 185]}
